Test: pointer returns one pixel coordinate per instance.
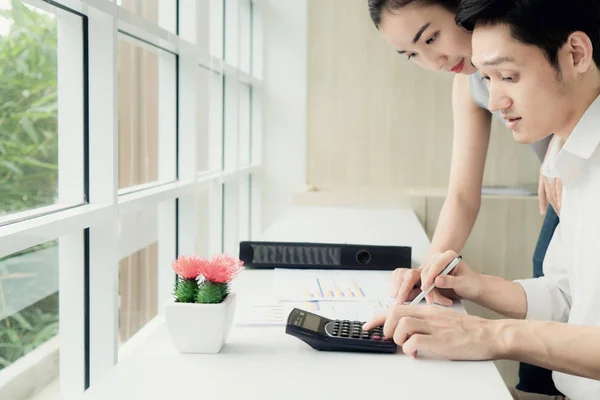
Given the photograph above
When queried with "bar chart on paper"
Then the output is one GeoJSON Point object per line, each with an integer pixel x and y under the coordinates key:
{"type": "Point", "coordinates": [335, 285]}
{"type": "Point", "coordinates": [323, 288]}
{"type": "Point", "coordinates": [270, 313]}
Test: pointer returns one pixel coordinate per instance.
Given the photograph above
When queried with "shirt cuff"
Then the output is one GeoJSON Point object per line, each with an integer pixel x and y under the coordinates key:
{"type": "Point", "coordinates": [539, 298]}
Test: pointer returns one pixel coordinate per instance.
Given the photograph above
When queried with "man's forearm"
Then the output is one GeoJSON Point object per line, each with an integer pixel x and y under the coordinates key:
{"type": "Point", "coordinates": [572, 349]}
{"type": "Point", "coordinates": [454, 226]}
{"type": "Point", "coordinates": [505, 297]}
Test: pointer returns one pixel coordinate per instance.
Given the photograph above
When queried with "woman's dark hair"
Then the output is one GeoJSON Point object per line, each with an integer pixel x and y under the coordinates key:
{"type": "Point", "coordinates": [377, 7]}
{"type": "Point", "coordinates": [545, 24]}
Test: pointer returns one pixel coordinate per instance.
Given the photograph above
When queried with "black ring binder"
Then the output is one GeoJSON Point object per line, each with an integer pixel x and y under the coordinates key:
{"type": "Point", "coordinates": [307, 255]}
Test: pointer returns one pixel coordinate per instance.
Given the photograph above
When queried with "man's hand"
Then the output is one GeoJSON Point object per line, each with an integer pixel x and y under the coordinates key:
{"type": "Point", "coordinates": [405, 286]}
{"type": "Point", "coordinates": [441, 331]}
{"type": "Point", "coordinates": [461, 283]}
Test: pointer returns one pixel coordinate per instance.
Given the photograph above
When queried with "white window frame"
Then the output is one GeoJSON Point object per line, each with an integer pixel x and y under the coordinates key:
{"type": "Point", "coordinates": [90, 248]}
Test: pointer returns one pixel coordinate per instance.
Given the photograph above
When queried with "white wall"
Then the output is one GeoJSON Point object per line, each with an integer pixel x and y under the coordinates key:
{"type": "Point", "coordinates": [285, 112]}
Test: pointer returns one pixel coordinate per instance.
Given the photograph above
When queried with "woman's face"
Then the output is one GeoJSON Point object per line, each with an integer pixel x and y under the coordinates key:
{"type": "Point", "coordinates": [429, 36]}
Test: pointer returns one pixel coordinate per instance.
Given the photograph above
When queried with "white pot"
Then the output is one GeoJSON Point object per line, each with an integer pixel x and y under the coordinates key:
{"type": "Point", "coordinates": [200, 328]}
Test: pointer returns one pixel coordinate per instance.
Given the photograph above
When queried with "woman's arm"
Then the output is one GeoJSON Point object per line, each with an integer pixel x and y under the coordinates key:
{"type": "Point", "coordinates": [472, 126]}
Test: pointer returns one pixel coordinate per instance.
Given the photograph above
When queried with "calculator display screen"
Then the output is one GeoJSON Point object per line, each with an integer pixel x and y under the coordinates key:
{"type": "Point", "coordinates": [311, 322]}
{"type": "Point", "coordinates": [311, 255]}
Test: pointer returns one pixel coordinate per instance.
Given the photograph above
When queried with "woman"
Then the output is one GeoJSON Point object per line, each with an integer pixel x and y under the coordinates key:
{"type": "Point", "coordinates": [425, 32]}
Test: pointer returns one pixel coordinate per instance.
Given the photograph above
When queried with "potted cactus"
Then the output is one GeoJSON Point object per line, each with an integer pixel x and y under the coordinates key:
{"type": "Point", "coordinates": [200, 315]}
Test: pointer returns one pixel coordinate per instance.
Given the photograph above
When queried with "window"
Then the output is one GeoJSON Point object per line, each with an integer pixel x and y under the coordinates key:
{"type": "Point", "coordinates": [138, 287]}
{"type": "Point", "coordinates": [41, 141]}
{"type": "Point", "coordinates": [28, 301]}
{"type": "Point", "coordinates": [209, 206]}
{"type": "Point", "coordinates": [245, 124]}
{"type": "Point", "coordinates": [147, 139]}
{"type": "Point", "coordinates": [236, 214]}
{"type": "Point", "coordinates": [129, 134]}
{"type": "Point", "coordinates": [31, 305]}
{"type": "Point", "coordinates": [216, 122]}
{"type": "Point", "coordinates": [160, 12]}
{"type": "Point", "coordinates": [146, 247]}
{"type": "Point", "coordinates": [245, 35]}
{"type": "Point", "coordinates": [207, 79]}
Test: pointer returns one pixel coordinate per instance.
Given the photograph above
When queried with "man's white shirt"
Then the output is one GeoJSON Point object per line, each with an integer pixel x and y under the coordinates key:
{"type": "Point", "coordinates": [569, 291]}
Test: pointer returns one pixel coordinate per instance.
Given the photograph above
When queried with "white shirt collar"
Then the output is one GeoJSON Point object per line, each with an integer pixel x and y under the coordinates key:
{"type": "Point", "coordinates": [567, 163]}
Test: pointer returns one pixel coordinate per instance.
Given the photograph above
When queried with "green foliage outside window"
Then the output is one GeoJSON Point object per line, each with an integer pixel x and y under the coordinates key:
{"type": "Point", "coordinates": [28, 111]}
{"type": "Point", "coordinates": [28, 153]}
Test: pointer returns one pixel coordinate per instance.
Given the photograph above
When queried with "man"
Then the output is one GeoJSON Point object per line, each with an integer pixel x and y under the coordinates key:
{"type": "Point", "coordinates": [540, 58]}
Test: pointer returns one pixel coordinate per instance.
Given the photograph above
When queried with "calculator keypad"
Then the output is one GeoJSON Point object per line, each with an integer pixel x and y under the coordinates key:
{"type": "Point", "coordinates": [353, 329]}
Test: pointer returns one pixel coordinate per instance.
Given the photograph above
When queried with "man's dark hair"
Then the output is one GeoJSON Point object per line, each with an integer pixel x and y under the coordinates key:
{"type": "Point", "coordinates": [377, 7]}
{"type": "Point", "coordinates": [546, 24]}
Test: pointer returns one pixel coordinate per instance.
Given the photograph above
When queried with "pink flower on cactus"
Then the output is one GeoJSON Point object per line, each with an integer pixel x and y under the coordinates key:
{"type": "Point", "coordinates": [187, 267]}
{"type": "Point", "coordinates": [221, 268]}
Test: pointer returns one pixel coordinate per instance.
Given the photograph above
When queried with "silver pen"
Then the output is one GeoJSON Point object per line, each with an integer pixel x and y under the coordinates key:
{"type": "Point", "coordinates": [446, 271]}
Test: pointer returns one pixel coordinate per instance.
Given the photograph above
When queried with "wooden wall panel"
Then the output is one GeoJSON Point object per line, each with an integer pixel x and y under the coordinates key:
{"type": "Point", "coordinates": [375, 119]}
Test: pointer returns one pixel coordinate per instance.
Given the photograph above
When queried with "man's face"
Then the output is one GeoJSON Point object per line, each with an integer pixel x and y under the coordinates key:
{"type": "Point", "coordinates": [534, 99]}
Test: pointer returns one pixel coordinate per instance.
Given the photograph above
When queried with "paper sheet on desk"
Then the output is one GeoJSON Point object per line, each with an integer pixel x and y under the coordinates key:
{"type": "Point", "coordinates": [276, 314]}
{"type": "Point", "coordinates": [331, 285]}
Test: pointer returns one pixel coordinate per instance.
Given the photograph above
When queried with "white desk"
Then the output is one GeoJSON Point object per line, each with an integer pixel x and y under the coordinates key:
{"type": "Point", "coordinates": [264, 363]}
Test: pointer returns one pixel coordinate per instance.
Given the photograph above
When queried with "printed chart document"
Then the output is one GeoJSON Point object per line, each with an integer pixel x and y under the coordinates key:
{"type": "Point", "coordinates": [275, 314]}
{"type": "Point", "coordinates": [331, 285]}
{"type": "Point", "coordinates": [335, 294]}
